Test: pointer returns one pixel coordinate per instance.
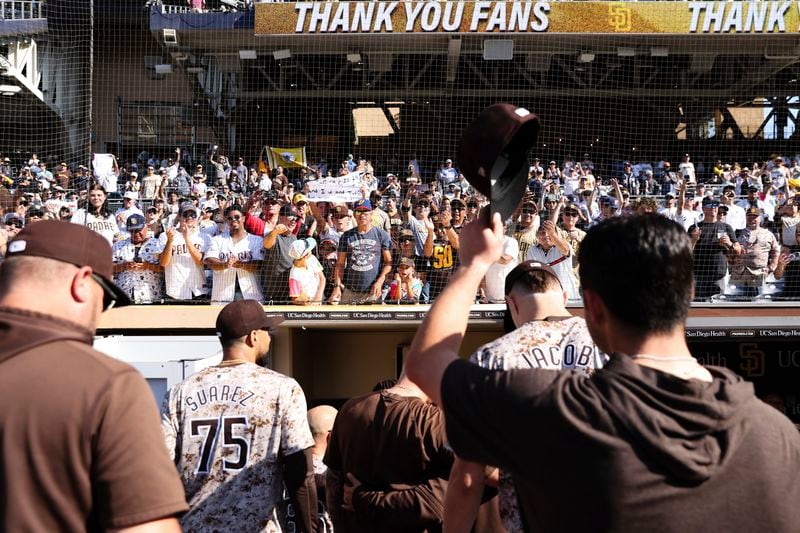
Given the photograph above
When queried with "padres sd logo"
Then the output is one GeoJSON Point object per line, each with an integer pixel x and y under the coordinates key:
{"type": "Point", "coordinates": [752, 360]}
{"type": "Point", "coordinates": [619, 17]}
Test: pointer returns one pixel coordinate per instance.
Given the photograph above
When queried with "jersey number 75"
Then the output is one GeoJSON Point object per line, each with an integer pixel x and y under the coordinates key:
{"type": "Point", "coordinates": [208, 428]}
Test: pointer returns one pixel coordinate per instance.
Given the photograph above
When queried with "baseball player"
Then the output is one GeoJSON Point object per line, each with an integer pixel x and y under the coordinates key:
{"type": "Point", "coordinates": [136, 268]}
{"type": "Point", "coordinates": [235, 256]}
{"type": "Point", "coordinates": [238, 431]}
{"type": "Point", "coordinates": [181, 252]}
{"type": "Point", "coordinates": [545, 335]}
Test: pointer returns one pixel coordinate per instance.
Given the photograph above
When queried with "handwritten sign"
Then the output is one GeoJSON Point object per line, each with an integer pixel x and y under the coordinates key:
{"type": "Point", "coordinates": [340, 189]}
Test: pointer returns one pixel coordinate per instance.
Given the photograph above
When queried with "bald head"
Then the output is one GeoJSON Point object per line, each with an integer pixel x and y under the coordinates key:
{"type": "Point", "coordinates": [320, 419]}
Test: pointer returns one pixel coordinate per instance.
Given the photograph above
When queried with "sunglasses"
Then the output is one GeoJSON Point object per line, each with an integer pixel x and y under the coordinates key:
{"type": "Point", "coordinates": [528, 212]}
{"type": "Point", "coordinates": [16, 224]}
{"type": "Point", "coordinates": [423, 205]}
{"type": "Point", "coordinates": [190, 214]}
{"type": "Point", "coordinates": [407, 239]}
{"type": "Point", "coordinates": [233, 217]}
{"type": "Point", "coordinates": [570, 213]}
{"type": "Point", "coordinates": [472, 206]}
{"type": "Point", "coordinates": [108, 300]}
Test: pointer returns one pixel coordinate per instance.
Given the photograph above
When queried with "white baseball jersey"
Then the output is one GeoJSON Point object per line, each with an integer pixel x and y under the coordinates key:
{"type": "Point", "coordinates": [105, 226]}
{"type": "Point", "coordinates": [246, 250]}
{"type": "Point", "coordinates": [495, 278]}
{"type": "Point", "coordinates": [227, 428]}
{"type": "Point", "coordinates": [562, 267]}
{"type": "Point", "coordinates": [553, 344]}
{"type": "Point", "coordinates": [184, 279]}
{"type": "Point", "coordinates": [142, 286]}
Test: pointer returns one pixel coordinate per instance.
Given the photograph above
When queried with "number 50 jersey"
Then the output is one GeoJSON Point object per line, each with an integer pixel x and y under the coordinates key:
{"type": "Point", "coordinates": [227, 428]}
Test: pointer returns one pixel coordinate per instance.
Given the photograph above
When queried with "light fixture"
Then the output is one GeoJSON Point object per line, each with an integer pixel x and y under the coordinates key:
{"type": "Point", "coordinates": [195, 69]}
{"type": "Point", "coordinates": [248, 54]}
{"type": "Point", "coordinates": [498, 50]}
{"type": "Point", "coordinates": [163, 68]}
{"type": "Point", "coordinates": [282, 54]}
{"type": "Point", "coordinates": [9, 90]}
{"type": "Point", "coordinates": [354, 57]}
{"type": "Point", "coordinates": [170, 37]}
{"type": "Point", "coordinates": [585, 57]}
{"type": "Point", "coordinates": [659, 51]}
{"type": "Point", "coordinates": [625, 51]}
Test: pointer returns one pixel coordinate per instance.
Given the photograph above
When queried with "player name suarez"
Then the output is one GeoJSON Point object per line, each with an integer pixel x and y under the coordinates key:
{"type": "Point", "coordinates": [218, 393]}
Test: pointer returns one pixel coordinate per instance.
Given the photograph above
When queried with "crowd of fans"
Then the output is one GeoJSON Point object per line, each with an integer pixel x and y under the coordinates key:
{"type": "Point", "coordinates": [228, 229]}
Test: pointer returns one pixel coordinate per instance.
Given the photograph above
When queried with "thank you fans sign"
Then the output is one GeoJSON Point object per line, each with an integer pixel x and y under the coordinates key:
{"type": "Point", "coordinates": [322, 18]}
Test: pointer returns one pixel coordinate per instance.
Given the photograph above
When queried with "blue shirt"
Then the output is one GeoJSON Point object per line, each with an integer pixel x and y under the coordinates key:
{"type": "Point", "coordinates": [364, 257]}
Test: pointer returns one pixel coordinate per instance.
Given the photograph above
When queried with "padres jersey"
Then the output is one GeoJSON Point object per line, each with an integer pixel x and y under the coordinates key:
{"type": "Point", "coordinates": [247, 250]}
{"type": "Point", "coordinates": [184, 279]}
{"type": "Point", "coordinates": [105, 226]}
{"type": "Point", "coordinates": [143, 286]}
{"type": "Point", "coordinates": [443, 263]}
{"type": "Point", "coordinates": [227, 429]}
{"type": "Point", "coordinates": [555, 344]}
{"type": "Point", "coordinates": [552, 344]}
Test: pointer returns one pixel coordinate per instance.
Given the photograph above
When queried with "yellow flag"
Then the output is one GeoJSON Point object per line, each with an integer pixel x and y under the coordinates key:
{"type": "Point", "coordinates": [286, 157]}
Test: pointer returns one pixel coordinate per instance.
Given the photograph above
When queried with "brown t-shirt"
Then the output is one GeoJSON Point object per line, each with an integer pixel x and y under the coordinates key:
{"type": "Point", "coordinates": [394, 445]}
{"type": "Point", "coordinates": [81, 444]}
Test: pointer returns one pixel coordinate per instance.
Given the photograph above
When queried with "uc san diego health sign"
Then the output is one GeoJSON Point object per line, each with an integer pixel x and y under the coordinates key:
{"type": "Point", "coordinates": [320, 18]}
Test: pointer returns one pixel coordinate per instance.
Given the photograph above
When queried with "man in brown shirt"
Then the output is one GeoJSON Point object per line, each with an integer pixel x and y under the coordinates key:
{"type": "Point", "coordinates": [391, 446]}
{"type": "Point", "coordinates": [81, 446]}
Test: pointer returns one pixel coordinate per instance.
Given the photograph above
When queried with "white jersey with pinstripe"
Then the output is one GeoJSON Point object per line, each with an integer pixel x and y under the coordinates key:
{"type": "Point", "coordinates": [246, 250]}
{"type": "Point", "coordinates": [183, 277]}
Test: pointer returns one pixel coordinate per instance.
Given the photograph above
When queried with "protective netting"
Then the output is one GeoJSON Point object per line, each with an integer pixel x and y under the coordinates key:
{"type": "Point", "coordinates": [226, 101]}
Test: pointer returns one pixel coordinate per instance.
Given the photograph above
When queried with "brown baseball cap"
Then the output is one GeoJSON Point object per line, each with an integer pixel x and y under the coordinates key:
{"type": "Point", "coordinates": [493, 154]}
{"type": "Point", "coordinates": [73, 244]}
{"type": "Point", "coordinates": [239, 318]}
{"type": "Point", "coordinates": [525, 268]}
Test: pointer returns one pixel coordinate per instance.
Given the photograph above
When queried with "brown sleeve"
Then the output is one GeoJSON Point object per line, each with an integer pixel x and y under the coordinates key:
{"type": "Point", "coordinates": [334, 488]}
{"type": "Point", "coordinates": [133, 479]}
{"type": "Point", "coordinates": [299, 478]}
{"type": "Point", "coordinates": [422, 504]}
